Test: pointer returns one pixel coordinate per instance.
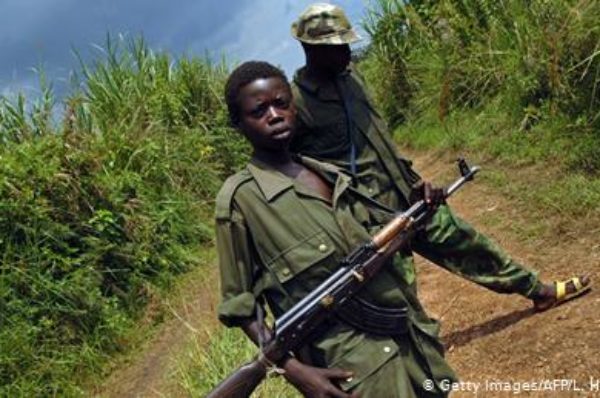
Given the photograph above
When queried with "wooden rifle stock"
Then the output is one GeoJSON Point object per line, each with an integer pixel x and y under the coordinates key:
{"type": "Point", "coordinates": [242, 382]}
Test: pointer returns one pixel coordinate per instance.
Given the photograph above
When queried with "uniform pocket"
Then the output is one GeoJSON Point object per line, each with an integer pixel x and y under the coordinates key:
{"type": "Point", "coordinates": [368, 185]}
{"type": "Point", "coordinates": [301, 256]}
{"type": "Point", "coordinates": [365, 359]}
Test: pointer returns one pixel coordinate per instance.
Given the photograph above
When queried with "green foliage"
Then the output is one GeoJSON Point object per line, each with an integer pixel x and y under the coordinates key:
{"type": "Point", "coordinates": [21, 121]}
{"type": "Point", "coordinates": [99, 212]}
{"type": "Point", "coordinates": [534, 63]}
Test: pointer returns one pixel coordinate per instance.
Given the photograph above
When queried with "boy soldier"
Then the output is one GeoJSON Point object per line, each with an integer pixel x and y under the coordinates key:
{"type": "Point", "coordinates": [283, 224]}
{"type": "Point", "coordinates": [338, 123]}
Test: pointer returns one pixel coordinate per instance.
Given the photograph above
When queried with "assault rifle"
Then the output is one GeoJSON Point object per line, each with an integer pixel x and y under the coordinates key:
{"type": "Point", "coordinates": [293, 327]}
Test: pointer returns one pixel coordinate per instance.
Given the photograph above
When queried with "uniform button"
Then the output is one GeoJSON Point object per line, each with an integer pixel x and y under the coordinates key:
{"type": "Point", "coordinates": [370, 190]}
{"type": "Point", "coordinates": [285, 272]}
{"type": "Point", "coordinates": [322, 247]}
{"type": "Point", "coordinates": [387, 349]}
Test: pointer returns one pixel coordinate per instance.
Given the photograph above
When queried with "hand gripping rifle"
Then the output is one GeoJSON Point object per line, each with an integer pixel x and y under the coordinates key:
{"type": "Point", "coordinates": [292, 328]}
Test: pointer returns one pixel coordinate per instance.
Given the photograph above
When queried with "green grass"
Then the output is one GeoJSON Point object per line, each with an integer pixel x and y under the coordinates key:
{"type": "Point", "coordinates": [205, 365]}
{"type": "Point", "coordinates": [100, 212]}
{"type": "Point", "coordinates": [178, 306]}
{"type": "Point", "coordinates": [535, 167]}
{"type": "Point", "coordinates": [514, 85]}
{"type": "Point", "coordinates": [518, 81]}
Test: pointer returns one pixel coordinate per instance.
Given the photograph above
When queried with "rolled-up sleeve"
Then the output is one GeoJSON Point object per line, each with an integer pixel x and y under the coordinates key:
{"type": "Point", "coordinates": [236, 272]}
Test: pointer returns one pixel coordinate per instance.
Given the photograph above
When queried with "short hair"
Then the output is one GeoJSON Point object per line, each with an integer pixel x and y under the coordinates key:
{"type": "Point", "coordinates": [243, 75]}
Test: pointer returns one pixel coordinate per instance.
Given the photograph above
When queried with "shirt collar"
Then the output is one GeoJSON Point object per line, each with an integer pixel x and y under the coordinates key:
{"type": "Point", "coordinates": [327, 170]}
{"type": "Point", "coordinates": [331, 173]}
{"type": "Point", "coordinates": [272, 182]}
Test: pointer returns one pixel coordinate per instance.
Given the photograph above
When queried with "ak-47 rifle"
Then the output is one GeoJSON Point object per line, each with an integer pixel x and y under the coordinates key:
{"type": "Point", "coordinates": [293, 327]}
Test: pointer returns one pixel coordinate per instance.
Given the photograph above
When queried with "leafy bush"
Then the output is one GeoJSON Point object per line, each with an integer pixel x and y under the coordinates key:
{"type": "Point", "coordinates": [99, 212]}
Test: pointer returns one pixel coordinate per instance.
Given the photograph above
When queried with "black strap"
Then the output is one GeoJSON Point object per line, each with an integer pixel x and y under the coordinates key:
{"type": "Point", "coordinates": [347, 108]}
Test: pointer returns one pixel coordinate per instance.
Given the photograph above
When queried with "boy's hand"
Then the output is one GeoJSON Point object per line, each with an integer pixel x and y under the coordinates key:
{"type": "Point", "coordinates": [433, 196]}
{"type": "Point", "coordinates": [316, 382]}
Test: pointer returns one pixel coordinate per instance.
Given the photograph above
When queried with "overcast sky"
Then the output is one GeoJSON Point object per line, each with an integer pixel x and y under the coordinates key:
{"type": "Point", "coordinates": [43, 32]}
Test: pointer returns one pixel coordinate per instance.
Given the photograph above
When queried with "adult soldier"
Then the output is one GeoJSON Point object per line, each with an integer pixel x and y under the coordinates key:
{"type": "Point", "coordinates": [338, 123]}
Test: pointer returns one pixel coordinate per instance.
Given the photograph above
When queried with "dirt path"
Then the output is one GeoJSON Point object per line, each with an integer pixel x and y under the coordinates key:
{"type": "Point", "coordinates": [498, 338]}
{"type": "Point", "coordinates": [152, 373]}
{"type": "Point", "coordinates": [490, 337]}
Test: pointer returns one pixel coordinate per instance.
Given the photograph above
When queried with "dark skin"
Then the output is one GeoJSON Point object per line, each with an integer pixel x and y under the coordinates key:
{"type": "Point", "coordinates": [309, 380]}
{"type": "Point", "coordinates": [267, 119]}
{"type": "Point", "coordinates": [326, 61]}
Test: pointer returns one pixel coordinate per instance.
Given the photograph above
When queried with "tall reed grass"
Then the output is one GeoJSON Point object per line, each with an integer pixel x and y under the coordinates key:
{"type": "Point", "coordinates": [100, 210]}
{"type": "Point", "coordinates": [526, 67]}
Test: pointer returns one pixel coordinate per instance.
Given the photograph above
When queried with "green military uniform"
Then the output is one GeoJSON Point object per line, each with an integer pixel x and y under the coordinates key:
{"type": "Point", "coordinates": [337, 118]}
{"type": "Point", "coordinates": [383, 174]}
{"type": "Point", "coordinates": [277, 240]}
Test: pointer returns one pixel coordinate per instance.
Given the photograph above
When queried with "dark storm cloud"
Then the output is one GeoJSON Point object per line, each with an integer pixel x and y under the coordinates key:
{"type": "Point", "coordinates": [34, 33]}
{"type": "Point", "coordinates": [43, 32]}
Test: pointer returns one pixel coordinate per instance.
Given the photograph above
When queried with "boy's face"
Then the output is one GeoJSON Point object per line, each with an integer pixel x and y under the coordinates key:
{"type": "Point", "coordinates": [267, 113]}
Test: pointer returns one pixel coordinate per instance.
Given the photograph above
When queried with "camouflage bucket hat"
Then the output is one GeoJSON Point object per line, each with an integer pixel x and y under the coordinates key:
{"type": "Point", "coordinates": [323, 23]}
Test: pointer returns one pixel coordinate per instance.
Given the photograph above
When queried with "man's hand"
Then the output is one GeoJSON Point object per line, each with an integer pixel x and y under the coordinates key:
{"type": "Point", "coordinates": [433, 196]}
{"type": "Point", "coordinates": [316, 382]}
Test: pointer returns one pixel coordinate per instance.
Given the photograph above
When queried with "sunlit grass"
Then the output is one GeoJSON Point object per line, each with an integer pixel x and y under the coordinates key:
{"type": "Point", "coordinates": [520, 81]}
{"type": "Point", "coordinates": [206, 364]}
